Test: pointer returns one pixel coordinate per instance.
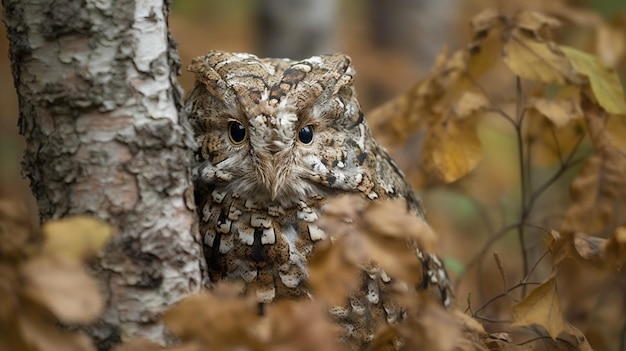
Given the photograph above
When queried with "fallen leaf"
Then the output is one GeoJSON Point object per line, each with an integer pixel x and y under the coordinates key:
{"type": "Point", "coordinates": [542, 307]}
{"type": "Point", "coordinates": [66, 289]}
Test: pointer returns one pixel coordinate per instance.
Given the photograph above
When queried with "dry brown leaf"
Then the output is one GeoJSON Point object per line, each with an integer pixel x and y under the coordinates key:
{"type": "Point", "coordinates": [17, 236]}
{"type": "Point", "coordinates": [600, 184]}
{"type": "Point", "coordinates": [138, 343]}
{"type": "Point", "coordinates": [590, 248]}
{"type": "Point", "coordinates": [558, 245]}
{"type": "Point", "coordinates": [75, 238]}
{"type": "Point", "coordinates": [542, 307]}
{"type": "Point", "coordinates": [424, 328]}
{"type": "Point", "coordinates": [454, 148]}
{"type": "Point", "coordinates": [616, 131]}
{"type": "Point", "coordinates": [300, 325]}
{"type": "Point", "coordinates": [536, 60]}
{"type": "Point", "coordinates": [550, 145]}
{"type": "Point", "coordinates": [224, 322]}
{"type": "Point", "coordinates": [470, 102]}
{"type": "Point", "coordinates": [577, 338]}
{"type": "Point", "coordinates": [616, 247]}
{"type": "Point", "coordinates": [386, 231]}
{"type": "Point", "coordinates": [594, 192]}
{"type": "Point", "coordinates": [39, 329]}
{"type": "Point", "coordinates": [561, 110]}
{"type": "Point", "coordinates": [503, 342]}
{"type": "Point", "coordinates": [605, 82]}
{"type": "Point", "coordinates": [486, 46]}
{"type": "Point", "coordinates": [333, 275]}
{"type": "Point", "coordinates": [66, 289]}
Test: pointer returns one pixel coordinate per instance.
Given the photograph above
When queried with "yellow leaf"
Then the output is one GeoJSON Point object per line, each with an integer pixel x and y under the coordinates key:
{"type": "Point", "coordinates": [616, 131]}
{"type": "Point", "coordinates": [543, 307]}
{"type": "Point", "coordinates": [454, 148]}
{"type": "Point", "coordinates": [535, 21]}
{"type": "Point", "coordinates": [486, 45]}
{"type": "Point", "coordinates": [605, 82]}
{"type": "Point", "coordinates": [66, 289]}
{"type": "Point", "coordinates": [470, 102]}
{"type": "Point", "coordinates": [75, 238]}
{"type": "Point", "coordinates": [535, 60]}
{"type": "Point", "coordinates": [562, 109]}
{"type": "Point", "coordinates": [549, 143]}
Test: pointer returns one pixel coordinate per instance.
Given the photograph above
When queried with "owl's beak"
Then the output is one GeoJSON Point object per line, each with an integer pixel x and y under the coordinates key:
{"type": "Point", "coordinates": [276, 183]}
{"type": "Point", "coordinates": [274, 189]}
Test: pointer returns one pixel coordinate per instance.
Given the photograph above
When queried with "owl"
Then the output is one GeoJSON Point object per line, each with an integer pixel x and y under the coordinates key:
{"type": "Point", "coordinates": [276, 140]}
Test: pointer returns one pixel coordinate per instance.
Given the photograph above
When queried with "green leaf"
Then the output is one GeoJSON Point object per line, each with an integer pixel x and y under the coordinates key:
{"type": "Point", "coordinates": [605, 82]}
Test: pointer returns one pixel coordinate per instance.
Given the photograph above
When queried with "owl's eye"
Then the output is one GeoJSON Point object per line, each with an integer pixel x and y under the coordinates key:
{"type": "Point", "coordinates": [305, 135]}
{"type": "Point", "coordinates": [237, 132]}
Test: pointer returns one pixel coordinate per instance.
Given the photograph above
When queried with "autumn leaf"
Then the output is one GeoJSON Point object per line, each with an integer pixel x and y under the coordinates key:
{"type": "Point", "coordinates": [300, 325]}
{"type": "Point", "coordinates": [536, 60]}
{"type": "Point", "coordinates": [17, 235]}
{"type": "Point", "coordinates": [332, 275]}
{"type": "Point", "coordinates": [454, 148]}
{"type": "Point", "coordinates": [486, 45]}
{"type": "Point", "coordinates": [387, 229]}
{"type": "Point", "coordinates": [219, 321]}
{"type": "Point", "coordinates": [616, 247]}
{"type": "Point", "coordinates": [564, 108]}
{"type": "Point", "coordinates": [558, 245]}
{"type": "Point", "coordinates": [543, 307]}
{"type": "Point", "coordinates": [616, 131]}
{"type": "Point", "coordinates": [594, 192]}
{"type": "Point", "coordinates": [590, 248]}
{"type": "Point", "coordinates": [605, 82]}
{"type": "Point", "coordinates": [75, 238]}
{"type": "Point", "coordinates": [549, 144]}
{"type": "Point", "coordinates": [39, 328]}
{"type": "Point", "coordinates": [66, 289]}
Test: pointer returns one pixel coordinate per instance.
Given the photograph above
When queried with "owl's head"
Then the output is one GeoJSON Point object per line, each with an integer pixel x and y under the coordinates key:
{"type": "Point", "coordinates": [277, 130]}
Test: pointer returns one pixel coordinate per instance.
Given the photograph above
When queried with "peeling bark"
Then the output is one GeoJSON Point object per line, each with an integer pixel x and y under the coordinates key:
{"type": "Point", "coordinates": [100, 109]}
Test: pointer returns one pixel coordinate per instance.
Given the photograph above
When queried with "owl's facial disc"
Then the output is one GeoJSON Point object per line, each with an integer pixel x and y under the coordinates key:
{"type": "Point", "coordinates": [272, 139]}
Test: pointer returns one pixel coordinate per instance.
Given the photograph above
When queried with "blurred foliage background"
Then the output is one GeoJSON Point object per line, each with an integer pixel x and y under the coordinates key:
{"type": "Point", "coordinates": [393, 44]}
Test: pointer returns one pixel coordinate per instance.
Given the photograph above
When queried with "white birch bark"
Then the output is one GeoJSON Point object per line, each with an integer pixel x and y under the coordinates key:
{"type": "Point", "coordinates": [100, 109]}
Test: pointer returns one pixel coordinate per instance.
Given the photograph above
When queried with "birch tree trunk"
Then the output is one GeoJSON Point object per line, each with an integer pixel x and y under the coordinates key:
{"type": "Point", "coordinates": [100, 109]}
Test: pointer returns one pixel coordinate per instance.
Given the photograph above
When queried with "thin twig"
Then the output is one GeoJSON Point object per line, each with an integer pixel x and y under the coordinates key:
{"type": "Point", "coordinates": [520, 111]}
{"type": "Point", "coordinates": [503, 294]}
